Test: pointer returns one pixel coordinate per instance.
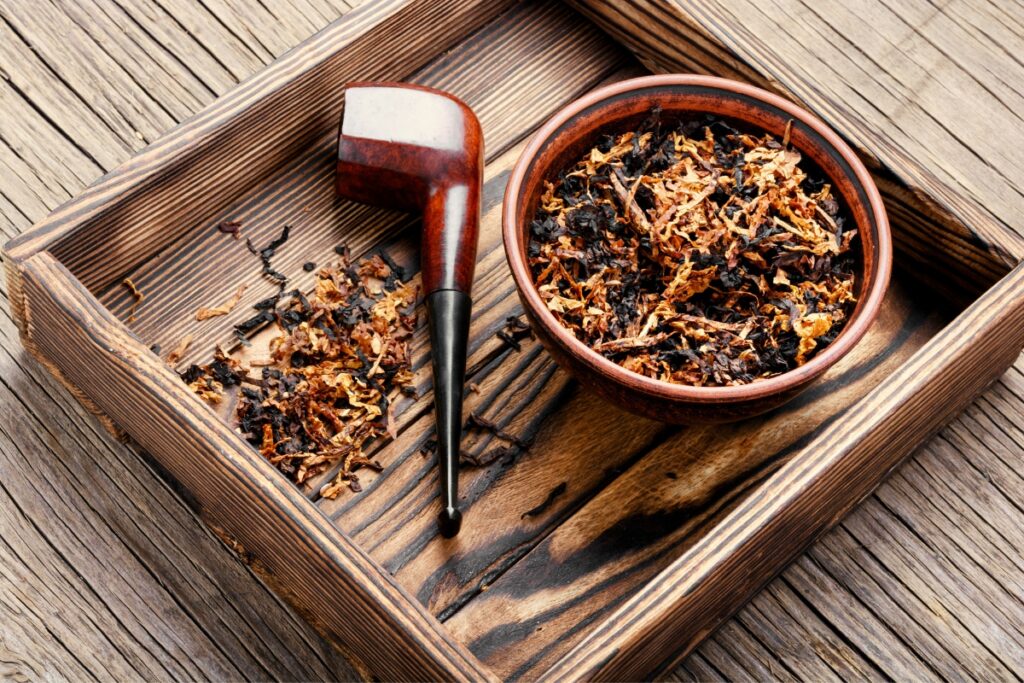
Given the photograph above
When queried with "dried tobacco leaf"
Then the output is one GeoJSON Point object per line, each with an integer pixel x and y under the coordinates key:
{"type": "Point", "coordinates": [514, 331]}
{"type": "Point", "coordinates": [224, 308]}
{"type": "Point", "coordinates": [179, 351]}
{"type": "Point", "coordinates": [695, 253]}
{"type": "Point", "coordinates": [138, 296]}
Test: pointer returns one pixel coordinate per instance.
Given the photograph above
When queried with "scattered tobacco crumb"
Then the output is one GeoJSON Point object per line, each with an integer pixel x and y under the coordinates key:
{"type": "Point", "coordinates": [473, 387]}
{"type": "Point", "coordinates": [208, 381]}
{"type": "Point", "coordinates": [546, 503]}
{"type": "Point", "coordinates": [513, 331]}
{"type": "Point", "coordinates": [326, 389]}
{"type": "Point", "coordinates": [476, 421]}
{"type": "Point", "coordinates": [509, 340]}
{"type": "Point", "coordinates": [395, 268]}
{"type": "Point", "coordinates": [138, 296]}
{"type": "Point", "coordinates": [269, 303]}
{"type": "Point", "coordinates": [516, 325]}
{"type": "Point", "coordinates": [309, 266]}
{"type": "Point", "coordinates": [267, 253]}
{"type": "Point", "coordinates": [695, 253]}
{"type": "Point", "coordinates": [155, 348]}
{"type": "Point", "coordinates": [233, 228]}
{"type": "Point", "coordinates": [249, 325]}
{"type": "Point", "coordinates": [224, 308]}
{"type": "Point", "coordinates": [178, 352]}
{"type": "Point", "coordinates": [505, 453]}
{"type": "Point", "coordinates": [410, 390]}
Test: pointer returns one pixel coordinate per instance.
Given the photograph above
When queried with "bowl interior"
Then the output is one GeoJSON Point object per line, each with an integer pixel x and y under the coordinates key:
{"type": "Point", "coordinates": [576, 129]}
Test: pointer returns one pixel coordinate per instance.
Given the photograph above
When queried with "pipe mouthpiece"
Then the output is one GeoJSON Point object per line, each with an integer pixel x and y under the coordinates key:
{"type": "Point", "coordinates": [448, 311]}
{"type": "Point", "coordinates": [449, 522]}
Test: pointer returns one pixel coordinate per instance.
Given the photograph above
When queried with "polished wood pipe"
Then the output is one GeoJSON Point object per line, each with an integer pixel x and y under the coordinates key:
{"type": "Point", "coordinates": [418, 149]}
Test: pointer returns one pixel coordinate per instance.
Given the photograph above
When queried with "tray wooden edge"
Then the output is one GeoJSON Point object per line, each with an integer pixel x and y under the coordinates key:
{"type": "Point", "coordinates": [807, 496]}
{"type": "Point", "coordinates": [355, 602]}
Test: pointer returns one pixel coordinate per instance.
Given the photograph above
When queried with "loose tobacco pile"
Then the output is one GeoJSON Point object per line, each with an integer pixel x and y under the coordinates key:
{"type": "Point", "coordinates": [326, 389]}
{"type": "Point", "coordinates": [695, 254]}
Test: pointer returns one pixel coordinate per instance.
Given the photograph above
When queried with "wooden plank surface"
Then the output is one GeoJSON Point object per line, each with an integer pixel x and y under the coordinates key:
{"type": "Point", "coordinates": [108, 574]}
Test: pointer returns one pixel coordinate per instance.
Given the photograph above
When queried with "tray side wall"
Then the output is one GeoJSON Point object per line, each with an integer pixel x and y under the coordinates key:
{"type": "Point", "coordinates": [307, 559]}
{"type": "Point", "coordinates": [809, 495]}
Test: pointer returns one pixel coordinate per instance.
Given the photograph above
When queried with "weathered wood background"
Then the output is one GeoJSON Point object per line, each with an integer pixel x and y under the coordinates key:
{"type": "Point", "coordinates": [105, 572]}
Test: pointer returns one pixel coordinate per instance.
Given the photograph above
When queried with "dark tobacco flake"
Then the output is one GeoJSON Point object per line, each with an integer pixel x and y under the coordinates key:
{"type": "Point", "coordinates": [258, 320]}
{"type": "Point", "coordinates": [509, 340]}
{"type": "Point", "coordinates": [267, 253]}
{"type": "Point", "coordinates": [429, 447]}
{"type": "Point", "coordinates": [268, 303]}
{"type": "Point", "coordinates": [695, 253]}
{"type": "Point", "coordinates": [515, 324]}
{"type": "Point", "coordinates": [309, 266]}
{"type": "Point", "coordinates": [514, 331]}
{"type": "Point", "coordinates": [507, 454]}
{"type": "Point", "coordinates": [476, 421]}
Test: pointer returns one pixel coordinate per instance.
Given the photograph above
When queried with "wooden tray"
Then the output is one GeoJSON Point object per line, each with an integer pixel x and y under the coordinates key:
{"type": "Point", "coordinates": [613, 545]}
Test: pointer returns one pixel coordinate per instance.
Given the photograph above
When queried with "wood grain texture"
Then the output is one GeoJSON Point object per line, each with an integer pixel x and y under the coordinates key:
{"type": "Point", "coordinates": [279, 112]}
{"type": "Point", "coordinates": [855, 598]}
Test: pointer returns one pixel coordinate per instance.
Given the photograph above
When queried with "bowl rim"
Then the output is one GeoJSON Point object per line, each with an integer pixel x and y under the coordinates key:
{"type": "Point", "coordinates": [758, 389]}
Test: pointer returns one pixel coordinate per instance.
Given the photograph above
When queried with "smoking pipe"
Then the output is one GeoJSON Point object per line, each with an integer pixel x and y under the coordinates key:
{"type": "Point", "coordinates": [418, 149]}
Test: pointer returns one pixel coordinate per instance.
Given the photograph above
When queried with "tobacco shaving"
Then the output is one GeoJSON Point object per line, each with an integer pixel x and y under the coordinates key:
{"type": "Point", "coordinates": [695, 253]}
{"type": "Point", "coordinates": [179, 351]}
{"type": "Point", "coordinates": [224, 308]}
{"type": "Point", "coordinates": [509, 340]}
{"type": "Point", "coordinates": [138, 295]}
{"type": "Point", "coordinates": [505, 453]}
{"type": "Point", "coordinates": [327, 387]}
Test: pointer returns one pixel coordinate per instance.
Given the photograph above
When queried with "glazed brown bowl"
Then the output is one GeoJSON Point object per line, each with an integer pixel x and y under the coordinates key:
{"type": "Point", "coordinates": [621, 107]}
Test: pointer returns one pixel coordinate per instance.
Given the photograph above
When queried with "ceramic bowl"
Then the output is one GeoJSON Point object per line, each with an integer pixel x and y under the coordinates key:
{"type": "Point", "coordinates": [620, 107]}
